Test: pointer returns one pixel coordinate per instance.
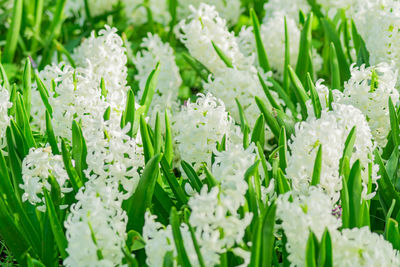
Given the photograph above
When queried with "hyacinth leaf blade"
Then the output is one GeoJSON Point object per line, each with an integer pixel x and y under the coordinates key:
{"type": "Point", "coordinates": [283, 183]}
{"type": "Point", "coordinates": [211, 180]}
{"type": "Point", "coordinates": [158, 140]}
{"type": "Point", "coordinates": [196, 246]}
{"type": "Point", "coordinates": [314, 97]}
{"type": "Point", "coordinates": [13, 32]}
{"type": "Point", "coordinates": [312, 248]}
{"type": "Point", "coordinates": [392, 233]}
{"type": "Point", "coordinates": [27, 87]}
{"type": "Point", "coordinates": [172, 181]}
{"type": "Point", "coordinates": [394, 123]}
{"type": "Point", "coordinates": [194, 179]}
{"type": "Point", "coordinates": [348, 147]}
{"type": "Point", "coordinates": [359, 45]}
{"type": "Point", "coordinates": [129, 113]}
{"type": "Point", "coordinates": [256, 248]}
{"type": "Point", "coordinates": [79, 149]}
{"type": "Point", "coordinates": [147, 144]}
{"type": "Point", "coordinates": [200, 69]}
{"type": "Point", "coordinates": [51, 138]}
{"type": "Point", "coordinates": [143, 194]}
{"type": "Point", "coordinates": [60, 48]}
{"type": "Point", "coordinates": [315, 8]}
{"type": "Point", "coordinates": [344, 198]}
{"type": "Point", "coordinates": [300, 92]}
{"type": "Point", "coordinates": [354, 185]}
{"type": "Point", "coordinates": [286, 78]}
{"type": "Point", "coordinates": [269, 118]}
{"type": "Point", "coordinates": [73, 176]}
{"type": "Point", "coordinates": [150, 88]}
{"type": "Point", "coordinates": [31, 262]}
{"type": "Point", "coordinates": [56, 225]}
{"type": "Point", "coordinates": [22, 115]}
{"type": "Point", "coordinates": [183, 258]}
{"type": "Point", "coordinates": [386, 189]}
{"type": "Point", "coordinates": [325, 257]}
{"type": "Point", "coordinates": [283, 94]}
{"type": "Point", "coordinates": [264, 164]}
{"type": "Point", "coordinates": [172, 9]}
{"type": "Point", "coordinates": [317, 167]}
{"type": "Point", "coordinates": [3, 77]}
{"type": "Point", "coordinates": [19, 139]}
{"type": "Point", "coordinates": [303, 61]}
{"type": "Point", "coordinates": [333, 37]}
{"type": "Point", "coordinates": [168, 146]}
{"type": "Point", "coordinates": [222, 55]}
{"type": "Point", "coordinates": [14, 161]}
{"type": "Point", "coordinates": [283, 149]}
{"type": "Point", "coordinates": [335, 70]}
{"type": "Point", "coordinates": [44, 94]}
{"type": "Point", "coordinates": [11, 232]}
{"type": "Point", "coordinates": [258, 134]}
{"type": "Point", "coordinates": [252, 195]}
{"type": "Point", "coordinates": [261, 53]}
{"type": "Point", "coordinates": [267, 93]}
{"type": "Point", "coordinates": [268, 237]}
{"type": "Point", "coordinates": [244, 126]}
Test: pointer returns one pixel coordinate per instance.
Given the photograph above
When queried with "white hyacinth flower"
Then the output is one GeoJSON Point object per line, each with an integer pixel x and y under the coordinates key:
{"type": "Point", "coordinates": [369, 90]}
{"type": "Point", "coordinates": [203, 27]}
{"type": "Point", "coordinates": [169, 80]}
{"type": "Point", "coordinates": [96, 228]}
{"type": "Point", "coordinates": [302, 213]}
{"type": "Point", "coordinates": [37, 167]}
{"type": "Point", "coordinates": [361, 247]}
{"type": "Point", "coordinates": [5, 105]}
{"type": "Point", "coordinates": [290, 7]}
{"type": "Point", "coordinates": [199, 126]}
{"type": "Point", "coordinates": [230, 11]}
{"type": "Point", "coordinates": [330, 131]}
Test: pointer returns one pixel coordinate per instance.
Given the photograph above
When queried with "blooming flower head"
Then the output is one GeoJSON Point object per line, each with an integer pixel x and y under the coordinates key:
{"type": "Point", "coordinates": [199, 126]}
{"type": "Point", "coordinates": [330, 131]}
{"type": "Point", "coordinates": [369, 90]}
{"type": "Point", "coordinates": [37, 167]}
{"type": "Point", "coordinates": [301, 213]}
{"type": "Point", "coordinates": [5, 104]}
{"type": "Point", "coordinates": [203, 27]}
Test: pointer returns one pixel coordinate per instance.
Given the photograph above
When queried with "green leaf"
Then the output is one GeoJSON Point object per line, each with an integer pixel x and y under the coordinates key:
{"type": "Point", "coordinates": [200, 69]}
{"type": "Point", "coordinates": [332, 36]}
{"type": "Point", "coordinates": [44, 94]}
{"type": "Point", "coordinates": [244, 126]}
{"type": "Point", "coordinates": [262, 55]}
{"type": "Point", "coordinates": [173, 183]}
{"type": "Point", "coordinates": [283, 94]}
{"type": "Point", "coordinates": [51, 138]}
{"type": "Point", "coordinates": [56, 226]}
{"type": "Point", "coordinates": [168, 259]}
{"type": "Point", "coordinates": [283, 149]}
{"type": "Point", "coordinates": [335, 71]}
{"type": "Point", "coordinates": [183, 258]}
{"type": "Point", "coordinates": [258, 134]}
{"type": "Point", "coordinates": [359, 45]}
{"type": "Point", "coordinates": [72, 174]}
{"type": "Point", "coordinates": [345, 204]}
{"type": "Point", "coordinates": [27, 86]}
{"type": "Point", "coordinates": [150, 88]}
{"type": "Point", "coordinates": [143, 195]}
{"type": "Point", "coordinates": [325, 258]}
{"type": "Point", "coordinates": [79, 150]}
{"type": "Point", "coordinates": [168, 149]}
{"type": "Point", "coordinates": [314, 97]}
{"type": "Point", "coordinates": [158, 141]}
{"type": "Point", "coordinates": [268, 93]}
{"type": "Point", "coordinates": [268, 238]}
{"type": "Point", "coordinates": [283, 183]}
{"type": "Point", "coordinates": [300, 92]}
{"type": "Point", "coordinates": [147, 144]}
{"type": "Point", "coordinates": [192, 175]}
{"type": "Point", "coordinates": [311, 250]}
{"type": "Point", "coordinates": [392, 233]}
{"type": "Point", "coordinates": [355, 189]}
{"type": "Point", "coordinates": [135, 241]}
{"type": "Point", "coordinates": [317, 167]}
{"type": "Point", "coordinates": [348, 147]}
{"type": "Point", "coordinates": [222, 56]}
{"type": "Point", "coordinates": [13, 32]}
{"type": "Point", "coordinates": [194, 239]}
{"type": "Point", "coordinates": [394, 123]}
{"type": "Point", "coordinates": [129, 114]}
{"type": "Point", "coordinates": [269, 118]}
{"type": "Point", "coordinates": [303, 62]}
{"type": "Point", "coordinates": [211, 180]}
{"type": "Point", "coordinates": [21, 114]}
{"type": "Point", "coordinates": [286, 80]}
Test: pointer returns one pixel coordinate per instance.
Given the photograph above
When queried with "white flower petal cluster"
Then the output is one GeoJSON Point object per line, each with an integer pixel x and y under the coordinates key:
{"type": "Point", "coordinates": [198, 126]}
{"type": "Point", "coordinates": [95, 228]}
{"type": "Point", "coordinates": [169, 79]}
{"type": "Point", "coordinates": [330, 131]}
{"type": "Point", "coordinates": [273, 37]}
{"type": "Point", "coordinates": [302, 213]}
{"type": "Point", "coordinates": [361, 247]}
{"type": "Point", "coordinates": [5, 105]}
{"type": "Point", "coordinates": [203, 27]}
{"type": "Point", "coordinates": [104, 57]}
{"type": "Point", "coordinates": [372, 99]}
{"type": "Point", "coordinates": [137, 13]}
{"type": "Point", "coordinates": [378, 22]}
{"type": "Point", "coordinates": [37, 167]}
{"type": "Point", "coordinates": [229, 10]}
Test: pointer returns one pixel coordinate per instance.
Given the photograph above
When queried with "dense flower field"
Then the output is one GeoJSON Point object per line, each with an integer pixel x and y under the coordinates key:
{"type": "Point", "coordinates": [199, 133]}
